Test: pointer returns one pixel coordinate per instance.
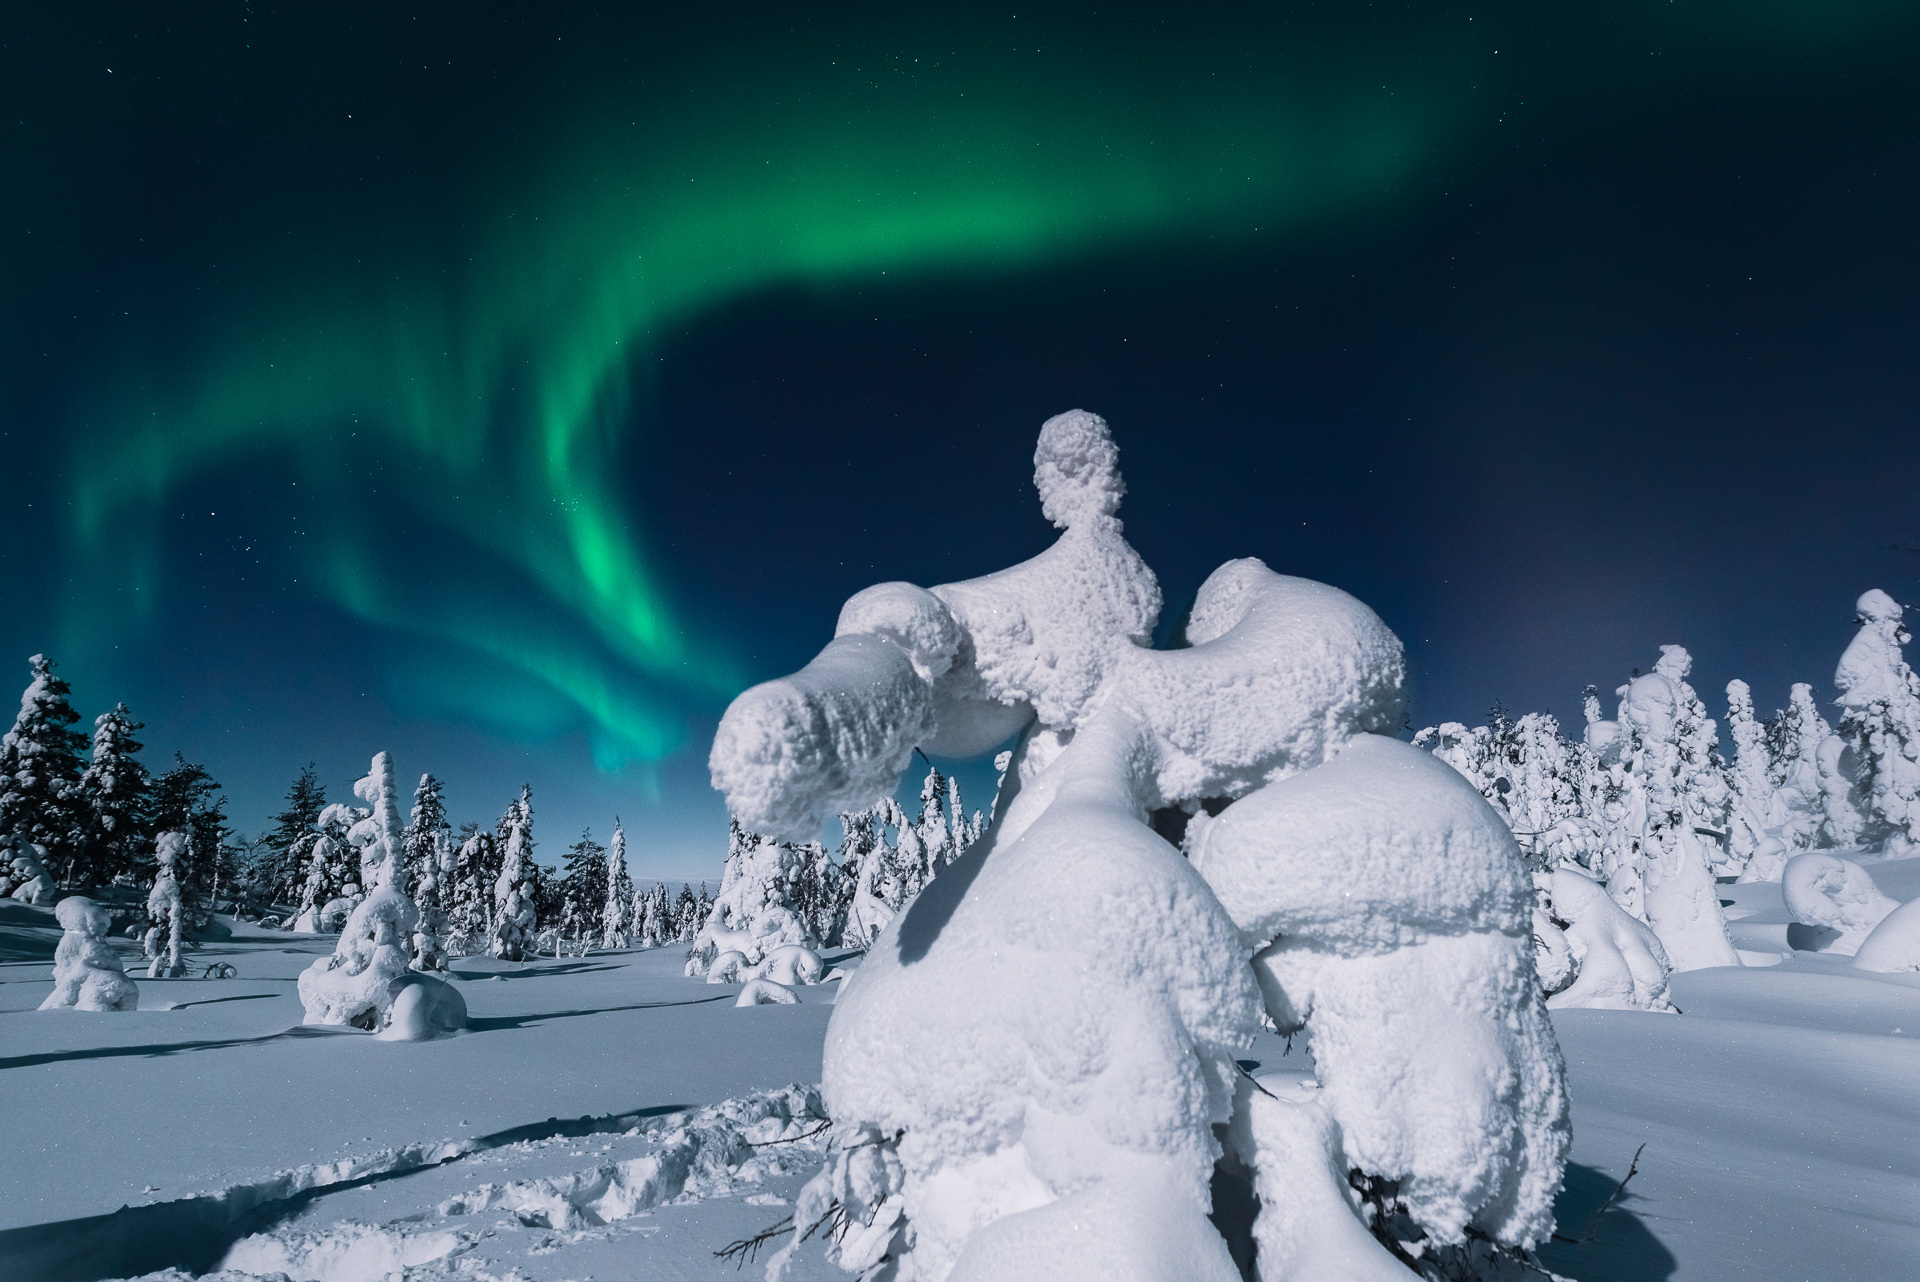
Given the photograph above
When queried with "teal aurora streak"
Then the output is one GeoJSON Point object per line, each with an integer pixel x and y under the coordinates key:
{"type": "Point", "coordinates": [500, 342]}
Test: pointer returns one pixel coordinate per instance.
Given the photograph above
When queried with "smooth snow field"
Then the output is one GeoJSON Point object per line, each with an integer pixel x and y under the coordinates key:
{"type": "Point", "coordinates": [606, 1118]}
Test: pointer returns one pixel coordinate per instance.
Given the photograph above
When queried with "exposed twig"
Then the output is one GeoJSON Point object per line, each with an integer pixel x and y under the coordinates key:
{"type": "Point", "coordinates": [747, 1248]}
{"type": "Point", "coordinates": [804, 1135]}
{"type": "Point", "coordinates": [1593, 1221]}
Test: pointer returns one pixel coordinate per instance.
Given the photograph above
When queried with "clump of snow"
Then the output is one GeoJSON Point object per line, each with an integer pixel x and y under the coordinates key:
{"type": "Point", "coordinates": [339, 1253]}
{"type": "Point", "coordinates": [1894, 944]}
{"type": "Point", "coordinates": [1619, 963]}
{"type": "Point", "coordinates": [1036, 1052]}
{"type": "Point", "coordinates": [791, 964]}
{"type": "Point", "coordinates": [421, 1008]}
{"type": "Point", "coordinates": [165, 910]}
{"type": "Point", "coordinates": [725, 969]}
{"type": "Point", "coordinates": [1394, 917]}
{"type": "Point", "coordinates": [1837, 895]}
{"type": "Point", "coordinates": [765, 992]}
{"type": "Point", "coordinates": [1306, 1227]}
{"type": "Point", "coordinates": [27, 870]}
{"type": "Point", "coordinates": [86, 971]}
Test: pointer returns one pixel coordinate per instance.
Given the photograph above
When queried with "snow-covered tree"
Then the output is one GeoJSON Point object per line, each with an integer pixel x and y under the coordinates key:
{"type": "Point", "coordinates": [614, 919]}
{"type": "Point", "coordinates": [424, 839]}
{"type": "Point", "coordinates": [867, 859]}
{"type": "Point", "coordinates": [289, 842]}
{"type": "Point", "coordinates": [513, 913]}
{"type": "Point", "coordinates": [1130, 975]}
{"type": "Point", "coordinates": [655, 916]}
{"type": "Point", "coordinates": [469, 895]}
{"type": "Point", "coordinates": [583, 888]}
{"type": "Point", "coordinates": [690, 911]}
{"type": "Point", "coordinates": [40, 770]}
{"type": "Point", "coordinates": [166, 908]}
{"type": "Point", "coordinates": [86, 971]}
{"type": "Point", "coordinates": [1677, 805]}
{"type": "Point", "coordinates": [1810, 777]}
{"type": "Point", "coordinates": [184, 801]}
{"type": "Point", "coordinates": [1880, 721]}
{"type": "Point", "coordinates": [114, 797]}
{"type": "Point", "coordinates": [1756, 811]}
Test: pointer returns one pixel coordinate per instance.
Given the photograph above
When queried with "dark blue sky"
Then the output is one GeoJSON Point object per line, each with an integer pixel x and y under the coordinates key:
{"type": "Point", "coordinates": [506, 388]}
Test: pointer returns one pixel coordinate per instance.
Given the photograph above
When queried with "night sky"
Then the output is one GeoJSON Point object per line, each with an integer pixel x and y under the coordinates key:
{"type": "Point", "coordinates": [509, 387]}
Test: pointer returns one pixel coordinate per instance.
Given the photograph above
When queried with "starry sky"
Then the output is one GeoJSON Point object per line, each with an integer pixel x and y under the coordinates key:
{"type": "Point", "coordinates": [509, 386]}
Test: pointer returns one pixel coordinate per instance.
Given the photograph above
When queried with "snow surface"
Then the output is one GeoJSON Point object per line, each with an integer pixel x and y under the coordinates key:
{"type": "Point", "coordinates": [1782, 1133]}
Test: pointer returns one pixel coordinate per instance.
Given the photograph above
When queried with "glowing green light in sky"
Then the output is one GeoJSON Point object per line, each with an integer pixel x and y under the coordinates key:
{"type": "Point", "coordinates": [498, 348]}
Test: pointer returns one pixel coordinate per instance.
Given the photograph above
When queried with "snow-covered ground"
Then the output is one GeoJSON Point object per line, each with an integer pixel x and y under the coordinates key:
{"type": "Point", "coordinates": [574, 1133]}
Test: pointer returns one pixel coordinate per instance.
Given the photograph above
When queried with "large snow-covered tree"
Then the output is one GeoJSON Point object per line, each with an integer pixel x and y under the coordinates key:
{"type": "Point", "coordinates": [1880, 720]}
{"type": "Point", "coordinates": [615, 922]}
{"type": "Point", "coordinates": [424, 838]}
{"type": "Point", "coordinates": [114, 797]}
{"type": "Point", "coordinates": [40, 771]}
{"type": "Point", "coordinates": [514, 917]}
{"type": "Point", "coordinates": [1755, 810]}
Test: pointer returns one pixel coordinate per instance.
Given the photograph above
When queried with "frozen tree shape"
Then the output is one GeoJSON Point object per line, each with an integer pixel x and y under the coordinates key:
{"type": "Point", "coordinates": [1065, 1126]}
{"type": "Point", "coordinates": [367, 982]}
{"type": "Point", "coordinates": [165, 909]}
{"type": "Point", "coordinates": [86, 971]}
{"type": "Point", "coordinates": [1880, 720]}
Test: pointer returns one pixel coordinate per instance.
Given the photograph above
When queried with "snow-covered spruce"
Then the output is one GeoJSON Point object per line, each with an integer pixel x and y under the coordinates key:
{"type": "Point", "coordinates": [1880, 719]}
{"type": "Point", "coordinates": [165, 909]}
{"type": "Point", "coordinates": [998, 1137]}
{"type": "Point", "coordinates": [40, 795]}
{"type": "Point", "coordinates": [86, 970]}
{"type": "Point", "coordinates": [367, 982]}
{"type": "Point", "coordinates": [614, 926]}
{"type": "Point", "coordinates": [513, 916]}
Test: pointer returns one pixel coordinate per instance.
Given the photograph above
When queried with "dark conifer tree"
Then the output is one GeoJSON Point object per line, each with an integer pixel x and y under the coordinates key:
{"type": "Point", "coordinates": [583, 887]}
{"type": "Point", "coordinates": [420, 842]}
{"type": "Point", "coordinates": [40, 771]}
{"type": "Point", "coordinates": [289, 843]}
{"type": "Point", "coordinates": [115, 793]}
{"type": "Point", "coordinates": [184, 802]}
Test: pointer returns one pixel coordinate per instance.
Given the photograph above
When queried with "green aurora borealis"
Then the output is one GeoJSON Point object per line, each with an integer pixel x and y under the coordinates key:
{"type": "Point", "coordinates": [441, 256]}
{"type": "Point", "coordinates": [517, 371]}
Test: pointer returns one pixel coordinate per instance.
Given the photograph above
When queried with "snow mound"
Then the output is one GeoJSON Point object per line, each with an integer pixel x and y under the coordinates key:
{"type": "Point", "coordinates": [1836, 895]}
{"type": "Point", "coordinates": [340, 1253]}
{"type": "Point", "coordinates": [765, 992]}
{"type": "Point", "coordinates": [1893, 944]}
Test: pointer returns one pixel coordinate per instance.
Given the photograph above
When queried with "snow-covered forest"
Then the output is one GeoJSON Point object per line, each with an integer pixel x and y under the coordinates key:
{"type": "Point", "coordinates": [1229, 980]}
